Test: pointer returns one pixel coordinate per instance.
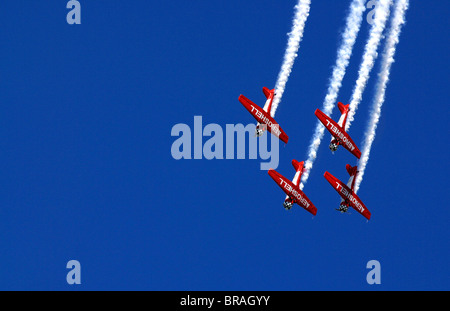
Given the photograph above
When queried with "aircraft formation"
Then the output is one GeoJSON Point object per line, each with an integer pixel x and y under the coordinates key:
{"type": "Point", "coordinates": [338, 130]}
{"type": "Point", "coordinates": [339, 137]}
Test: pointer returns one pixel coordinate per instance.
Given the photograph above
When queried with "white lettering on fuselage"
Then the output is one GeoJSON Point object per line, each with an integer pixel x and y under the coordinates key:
{"type": "Point", "coordinates": [340, 135]}
{"type": "Point", "coordinates": [294, 193]}
{"type": "Point", "coordinates": [350, 197]}
{"type": "Point", "coordinates": [263, 119]}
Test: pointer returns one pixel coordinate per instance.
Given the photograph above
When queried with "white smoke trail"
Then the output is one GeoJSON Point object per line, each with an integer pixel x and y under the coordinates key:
{"type": "Point", "coordinates": [295, 36]}
{"type": "Point", "coordinates": [383, 78]}
{"type": "Point", "coordinates": [370, 54]}
{"type": "Point", "coordinates": [353, 25]}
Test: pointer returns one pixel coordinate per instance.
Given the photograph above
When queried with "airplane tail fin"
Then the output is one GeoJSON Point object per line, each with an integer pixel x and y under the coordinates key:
{"type": "Point", "coordinates": [299, 171]}
{"type": "Point", "coordinates": [268, 92]}
{"type": "Point", "coordinates": [298, 165]}
{"type": "Point", "coordinates": [343, 108]}
{"type": "Point", "coordinates": [344, 112]}
{"type": "Point", "coordinates": [351, 170]}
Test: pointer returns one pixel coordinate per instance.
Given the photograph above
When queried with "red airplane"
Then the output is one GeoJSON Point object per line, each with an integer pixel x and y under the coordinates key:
{"type": "Point", "coordinates": [337, 130]}
{"type": "Point", "coordinates": [349, 198]}
{"type": "Point", "coordinates": [294, 194]}
{"type": "Point", "coordinates": [265, 121]}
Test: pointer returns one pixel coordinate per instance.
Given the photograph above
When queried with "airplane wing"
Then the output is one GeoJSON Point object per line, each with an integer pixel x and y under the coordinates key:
{"type": "Point", "coordinates": [348, 195]}
{"type": "Point", "coordinates": [262, 117]}
{"type": "Point", "coordinates": [292, 191]}
{"type": "Point", "coordinates": [338, 132]}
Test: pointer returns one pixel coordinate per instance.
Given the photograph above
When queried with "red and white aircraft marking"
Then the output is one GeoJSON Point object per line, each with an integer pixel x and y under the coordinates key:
{"type": "Point", "coordinates": [337, 130]}
{"type": "Point", "coordinates": [349, 198]}
{"type": "Point", "coordinates": [265, 121]}
{"type": "Point", "coordinates": [294, 194]}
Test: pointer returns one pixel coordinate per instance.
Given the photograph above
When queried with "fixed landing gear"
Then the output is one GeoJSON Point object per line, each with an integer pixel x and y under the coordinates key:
{"type": "Point", "coordinates": [343, 208]}
{"type": "Point", "coordinates": [288, 205]}
{"type": "Point", "coordinates": [333, 146]}
{"type": "Point", "coordinates": [259, 132]}
{"type": "Point", "coordinates": [260, 128]}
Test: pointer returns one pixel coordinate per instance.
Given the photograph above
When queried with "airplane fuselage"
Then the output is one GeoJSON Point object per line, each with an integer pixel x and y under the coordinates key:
{"type": "Point", "coordinates": [339, 136]}
{"type": "Point", "coordinates": [261, 127]}
{"type": "Point", "coordinates": [264, 122]}
{"type": "Point", "coordinates": [337, 131]}
{"type": "Point", "coordinates": [350, 197]}
{"type": "Point", "coordinates": [335, 142]}
{"type": "Point", "coordinates": [293, 193]}
{"type": "Point", "coordinates": [263, 117]}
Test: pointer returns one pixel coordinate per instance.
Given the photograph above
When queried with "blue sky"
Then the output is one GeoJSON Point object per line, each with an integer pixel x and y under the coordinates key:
{"type": "Point", "coordinates": [87, 172]}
